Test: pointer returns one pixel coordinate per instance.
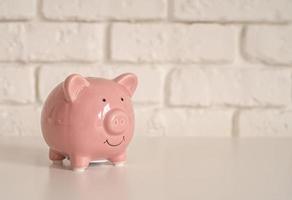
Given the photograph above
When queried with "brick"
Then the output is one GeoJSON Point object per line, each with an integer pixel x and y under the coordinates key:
{"type": "Point", "coordinates": [59, 42]}
{"type": "Point", "coordinates": [57, 74]}
{"type": "Point", "coordinates": [269, 44]}
{"type": "Point", "coordinates": [225, 86]}
{"type": "Point", "coordinates": [17, 9]}
{"type": "Point", "coordinates": [19, 120]}
{"type": "Point", "coordinates": [194, 122]}
{"type": "Point", "coordinates": [51, 42]}
{"type": "Point", "coordinates": [104, 9]}
{"type": "Point", "coordinates": [173, 42]}
{"type": "Point", "coordinates": [230, 10]}
{"type": "Point", "coordinates": [145, 123]}
{"type": "Point", "coordinates": [150, 83]}
{"type": "Point", "coordinates": [253, 123]}
{"type": "Point", "coordinates": [16, 84]}
{"type": "Point", "coordinates": [10, 42]}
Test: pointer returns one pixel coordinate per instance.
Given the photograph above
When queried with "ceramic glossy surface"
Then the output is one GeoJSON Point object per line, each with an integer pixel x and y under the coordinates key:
{"type": "Point", "coordinates": [88, 119]}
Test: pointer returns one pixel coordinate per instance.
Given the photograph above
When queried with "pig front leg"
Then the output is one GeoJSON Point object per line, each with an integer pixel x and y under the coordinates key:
{"type": "Point", "coordinates": [118, 160]}
{"type": "Point", "coordinates": [56, 156]}
{"type": "Point", "coordinates": [79, 163]}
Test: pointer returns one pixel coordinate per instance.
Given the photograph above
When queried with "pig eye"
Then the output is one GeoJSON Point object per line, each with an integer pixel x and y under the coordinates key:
{"type": "Point", "coordinates": [122, 99]}
{"type": "Point", "coordinates": [104, 100]}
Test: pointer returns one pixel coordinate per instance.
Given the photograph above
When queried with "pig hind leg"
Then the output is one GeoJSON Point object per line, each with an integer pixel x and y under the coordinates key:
{"type": "Point", "coordinates": [56, 156]}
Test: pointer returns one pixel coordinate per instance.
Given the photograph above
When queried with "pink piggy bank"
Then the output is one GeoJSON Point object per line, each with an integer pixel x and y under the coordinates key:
{"type": "Point", "coordinates": [87, 119]}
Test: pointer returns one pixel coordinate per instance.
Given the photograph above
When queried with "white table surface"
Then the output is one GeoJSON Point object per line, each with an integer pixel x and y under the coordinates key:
{"type": "Point", "coordinates": [157, 168]}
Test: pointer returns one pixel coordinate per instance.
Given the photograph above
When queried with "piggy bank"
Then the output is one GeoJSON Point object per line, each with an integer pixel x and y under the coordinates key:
{"type": "Point", "coordinates": [86, 119]}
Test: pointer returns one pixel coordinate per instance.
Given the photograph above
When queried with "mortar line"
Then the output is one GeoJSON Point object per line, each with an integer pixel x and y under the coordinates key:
{"type": "Point", "coordinates": [170, 9]}
{"type": "Point", "coordinates": [107, 43]}
{"type": "Point", "coordinates": [39, 9]}
{"type": "Point", "coordinates": [235, 124]}
{"type": "Point", "coordinates": [36, 86]}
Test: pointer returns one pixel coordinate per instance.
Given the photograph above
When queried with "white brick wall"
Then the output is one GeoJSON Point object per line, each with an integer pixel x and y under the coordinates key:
{"type": "Point", "coordinates": [51, 41]}
{"type": "Point", "coordinates": [11, 47]}
{"type": "Point", "coordinates": [268, 122]}
{"type": "Point", "coordinates": [236, 87]}
{"type": "Point", "coordinates": [17, 9]}
{"type": "Point", "coordinates": [194, 122]}
{"type": "Point", "coordinates": [206, 68]}
{"type": "Point", "coordinates": [172, 42]}
{"type": "Point", "coordinates": [19, 120]}
{"type": "Point", "coordinates": [17, 84]}
{"type": "Point", "coordinates": [269, 44]}
{"type": "Point", "coordinates": [233, 10]}
{"type": "Point", "coordinates": [89, 10]}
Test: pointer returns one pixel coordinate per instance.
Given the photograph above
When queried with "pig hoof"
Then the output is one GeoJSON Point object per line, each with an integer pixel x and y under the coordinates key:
{"type": "Point", "coordinates": [82, 169]}
{"type": "Point", "coordinates": [119, 164]}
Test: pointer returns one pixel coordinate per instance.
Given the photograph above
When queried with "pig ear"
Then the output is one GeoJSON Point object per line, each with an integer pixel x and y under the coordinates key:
{"type": "Point", "coordinates": [74, 84]}
{"type": "Point", "coordinates": [129, 81]}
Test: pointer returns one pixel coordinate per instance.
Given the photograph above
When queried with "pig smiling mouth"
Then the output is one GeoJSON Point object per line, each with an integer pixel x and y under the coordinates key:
{"type": "Point", "coordinates": [114, 145]}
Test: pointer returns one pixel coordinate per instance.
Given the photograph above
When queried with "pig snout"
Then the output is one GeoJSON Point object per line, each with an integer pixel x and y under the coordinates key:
{"type": "Point", "coordinates": [116, 121]}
